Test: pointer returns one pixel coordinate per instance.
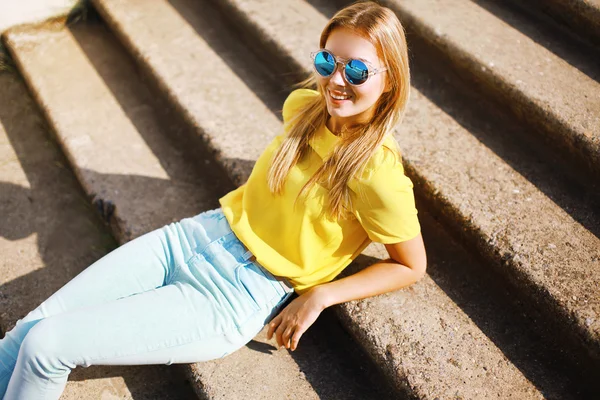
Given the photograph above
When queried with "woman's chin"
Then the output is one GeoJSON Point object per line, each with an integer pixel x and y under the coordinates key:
{"type": "Point", "coordinates": [338, 112]}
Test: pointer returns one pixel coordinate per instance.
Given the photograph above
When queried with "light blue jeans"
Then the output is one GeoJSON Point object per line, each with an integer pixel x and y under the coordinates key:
{"type": "Point", "coordinates": [187, 292]}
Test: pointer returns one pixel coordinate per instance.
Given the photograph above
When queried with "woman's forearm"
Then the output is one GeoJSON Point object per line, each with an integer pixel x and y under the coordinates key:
{"type": "Point", "coordinates": [381, 277]}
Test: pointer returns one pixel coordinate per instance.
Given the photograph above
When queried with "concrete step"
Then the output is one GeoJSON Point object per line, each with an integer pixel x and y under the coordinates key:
{"type": "Point", "coordinates": [48, 234]}
{"type": "Point", "coordinates": [539, 229]}
{"type": "Point", "coordinates": [215, 81]}
{"type": "Point", "coordinates": [581, 17]}
{"type": "Point", "coordinates": [116, 136]}
{"type": "Point", "coordinates": [528, 73]}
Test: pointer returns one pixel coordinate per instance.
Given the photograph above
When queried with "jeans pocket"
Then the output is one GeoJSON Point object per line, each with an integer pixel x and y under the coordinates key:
{"type": "Point", "coordinates": [257, 286]}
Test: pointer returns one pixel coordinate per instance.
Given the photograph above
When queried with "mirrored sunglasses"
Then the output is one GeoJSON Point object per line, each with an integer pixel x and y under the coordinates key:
{"type": "Point", "coordinates": [356, 72]}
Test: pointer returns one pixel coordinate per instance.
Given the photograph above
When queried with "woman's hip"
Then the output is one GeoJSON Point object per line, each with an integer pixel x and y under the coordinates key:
{"type": "Point", "coordinates": [222, 268]}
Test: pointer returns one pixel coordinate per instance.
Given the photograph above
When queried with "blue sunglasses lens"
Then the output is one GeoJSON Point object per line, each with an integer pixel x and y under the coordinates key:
{"type": "Point", "coordinates": [324, 63]}
{"type": "Point", "coordinates": [357, 71]}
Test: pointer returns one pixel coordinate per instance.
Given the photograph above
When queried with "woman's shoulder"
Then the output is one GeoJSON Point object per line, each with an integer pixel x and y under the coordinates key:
{"type": "Point", "coordinates": [384, 165]}
{"type": "Point", "coordinates": [295, 100]}
{"type": "Point", "coordinates": [386, 158]}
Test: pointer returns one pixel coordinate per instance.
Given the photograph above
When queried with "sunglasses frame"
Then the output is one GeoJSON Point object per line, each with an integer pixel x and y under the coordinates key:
{"type": "Point", "coordinates": [344, 61]}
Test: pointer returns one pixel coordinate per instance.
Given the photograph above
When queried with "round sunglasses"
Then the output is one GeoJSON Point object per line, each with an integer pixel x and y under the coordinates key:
{"type": "Point", "coordinates": [356, 72]}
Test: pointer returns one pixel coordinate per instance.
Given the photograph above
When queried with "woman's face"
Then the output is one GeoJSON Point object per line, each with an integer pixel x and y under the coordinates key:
{"type": "Point", "coordinates": [360, 100]}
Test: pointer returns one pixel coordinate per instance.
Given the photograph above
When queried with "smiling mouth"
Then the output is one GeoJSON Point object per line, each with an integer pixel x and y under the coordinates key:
{"type": "Point", "coordinates": [339, 96]}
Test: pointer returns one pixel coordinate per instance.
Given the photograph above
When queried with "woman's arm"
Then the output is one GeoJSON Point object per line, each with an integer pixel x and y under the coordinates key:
{"type": "Point", "coordinates": [407, 265]}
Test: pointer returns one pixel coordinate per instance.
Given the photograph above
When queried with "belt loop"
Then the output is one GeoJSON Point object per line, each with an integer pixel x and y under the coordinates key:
{"type": "Point", "coordinates": [285, 284]}
{"type": "Point", "coordinates": [247, 255]}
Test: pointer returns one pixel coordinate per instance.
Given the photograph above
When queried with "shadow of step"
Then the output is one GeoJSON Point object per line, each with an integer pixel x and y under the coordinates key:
{"type": "Point", "coordinates": [581, 17]}
{"type": "Point", "coordinates": [559, 102]}
{"type": "Point", "coordinates": [48, 234]}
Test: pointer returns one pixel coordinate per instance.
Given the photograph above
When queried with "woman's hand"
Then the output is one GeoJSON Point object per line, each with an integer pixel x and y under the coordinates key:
{"type": "Point", "coordinates": [295, 319]}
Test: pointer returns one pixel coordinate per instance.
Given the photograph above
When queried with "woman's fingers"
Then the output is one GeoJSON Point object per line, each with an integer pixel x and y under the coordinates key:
{"type": "Point", "coordinates": [272, 326]}
{"type": "Point", "coordinates": [279, 334]}
{"type": "Point", "coordinates": [283, 333]}
{"type": "Point", "coordinates": [287, 335]}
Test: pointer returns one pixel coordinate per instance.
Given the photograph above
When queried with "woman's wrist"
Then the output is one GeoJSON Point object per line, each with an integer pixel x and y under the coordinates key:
{"type": "Point", "coordinates": [322, 296]}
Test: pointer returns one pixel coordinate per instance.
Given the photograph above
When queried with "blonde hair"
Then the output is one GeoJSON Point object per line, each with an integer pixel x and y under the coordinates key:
{"type": "Point", "coordinates": [357, 144]}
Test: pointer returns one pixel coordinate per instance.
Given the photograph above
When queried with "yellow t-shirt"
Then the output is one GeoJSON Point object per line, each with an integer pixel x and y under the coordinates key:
{"type": "Point", "coordinates": [303, 245]}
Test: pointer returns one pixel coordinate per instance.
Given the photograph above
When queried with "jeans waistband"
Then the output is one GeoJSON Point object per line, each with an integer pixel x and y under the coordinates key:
{"type": "Point", "coordinates": [284, 282]}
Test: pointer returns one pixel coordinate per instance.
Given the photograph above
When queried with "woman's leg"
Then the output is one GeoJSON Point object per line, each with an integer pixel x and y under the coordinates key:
{"type": "Point", "coordinates": [142, 264]}
{"type": "Point", "coordinates": [215, 303]}
{"type": "Point", "coordinates": [172, 324]}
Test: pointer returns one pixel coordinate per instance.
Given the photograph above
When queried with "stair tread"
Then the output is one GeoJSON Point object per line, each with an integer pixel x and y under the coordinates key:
{"type": "Point", "coordinates": [48, 235]}
{"type": "Point", "coordinates": [536, 79]}
{"type": "Point", "coordinates": [113, 138]}
{"type": "Point", "coordinates": [580, 16]}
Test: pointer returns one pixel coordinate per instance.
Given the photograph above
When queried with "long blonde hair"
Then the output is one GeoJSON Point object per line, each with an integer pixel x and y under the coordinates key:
{"type": "Point", "coordinates": [381, 27]}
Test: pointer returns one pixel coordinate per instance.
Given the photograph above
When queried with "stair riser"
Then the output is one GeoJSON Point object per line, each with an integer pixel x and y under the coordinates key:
{"type": "Point", "coordinates": [580, 17]}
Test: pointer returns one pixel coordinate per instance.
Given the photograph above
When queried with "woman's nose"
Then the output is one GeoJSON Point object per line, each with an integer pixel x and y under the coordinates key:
{"type": "Point", "coordinates": [337, 77]}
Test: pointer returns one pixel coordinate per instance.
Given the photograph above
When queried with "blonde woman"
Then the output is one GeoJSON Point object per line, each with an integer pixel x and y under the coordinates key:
{"type": "Point", "coordinates": [203, 287]}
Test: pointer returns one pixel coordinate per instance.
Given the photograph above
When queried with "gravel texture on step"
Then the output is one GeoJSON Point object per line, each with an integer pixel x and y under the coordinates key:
{"type": "Point", "coordinates": [49, 234]}
{"type": "Point", "coordinates": [540, 87]}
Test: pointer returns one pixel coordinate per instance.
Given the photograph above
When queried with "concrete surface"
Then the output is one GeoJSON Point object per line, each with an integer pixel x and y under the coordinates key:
{"type": "Point", "coordinates": [580, 16]}
{"type": "Point", "coordinates": [114, 139]}
{"type": "Point", "coordinates": [460, 332]}
{"type": "Point", "coordinates": [48, 234]}
{"type": "Point", "coordinates": [491, 45]}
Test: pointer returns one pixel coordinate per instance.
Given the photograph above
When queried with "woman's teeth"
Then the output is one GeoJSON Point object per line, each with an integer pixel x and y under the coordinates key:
{"type": "Point", "coordinates": [338, 97]}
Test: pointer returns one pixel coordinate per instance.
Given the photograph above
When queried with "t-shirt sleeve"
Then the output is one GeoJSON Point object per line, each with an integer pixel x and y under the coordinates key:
{"type": "Point", "coordinates": [384, 202]}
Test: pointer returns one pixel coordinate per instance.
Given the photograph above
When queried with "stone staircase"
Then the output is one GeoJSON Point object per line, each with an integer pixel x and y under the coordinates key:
{"type": "Point", "coordinates": [49, 233]}
{"type": "Point", "coordinates": [162, 107]}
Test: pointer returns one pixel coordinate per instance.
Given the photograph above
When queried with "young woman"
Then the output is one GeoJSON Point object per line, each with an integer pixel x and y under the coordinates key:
{"type": "Point", "coordinates": [201, 288]}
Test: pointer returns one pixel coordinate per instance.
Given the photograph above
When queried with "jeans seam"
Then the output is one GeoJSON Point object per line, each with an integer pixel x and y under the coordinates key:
{"type": "Point", "coordinates": [240, 325]}
{"type": "Point", "coordinates": [268, 307]}
{"type": "Point", "coordinates": [256, 308]}
{"type": "Point", "coordinates": [174, 275]}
